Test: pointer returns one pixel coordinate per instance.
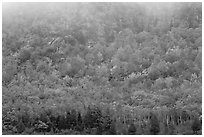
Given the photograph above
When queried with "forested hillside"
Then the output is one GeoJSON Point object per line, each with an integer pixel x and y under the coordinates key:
{"type": "Point", "coordinates": [102, 68]}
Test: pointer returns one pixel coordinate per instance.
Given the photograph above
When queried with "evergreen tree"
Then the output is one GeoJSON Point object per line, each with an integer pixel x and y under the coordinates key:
{"type": "Point", "coordinates": [154, 124]}
{"type": "Point", "coordinates": [20, 127]}
{"type": "Point", "coordinates": [196, 125]}
{"type": "Point", "coordinates": [132, 129]}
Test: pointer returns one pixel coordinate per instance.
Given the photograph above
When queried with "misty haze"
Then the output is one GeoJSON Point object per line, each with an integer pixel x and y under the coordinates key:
{"type": "Point", "coordinates": [102, 68]}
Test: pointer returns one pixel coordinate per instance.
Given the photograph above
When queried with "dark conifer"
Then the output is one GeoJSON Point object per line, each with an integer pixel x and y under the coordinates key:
{"type": "Point", "coordinates": [196, 125]}
{"type": "Point", "coordinates": [154, 124]}
{"type": "Point", "coordinates": [20, 127]}
{"type": "Point", "coordinates": [132, 129]}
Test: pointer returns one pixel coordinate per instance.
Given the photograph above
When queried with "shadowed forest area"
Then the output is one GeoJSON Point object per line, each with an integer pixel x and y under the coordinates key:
{"type": "Point", "coordinates": [102, 68]}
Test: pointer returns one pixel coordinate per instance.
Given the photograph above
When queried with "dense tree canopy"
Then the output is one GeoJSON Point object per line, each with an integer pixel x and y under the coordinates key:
{"type": "Point", "coordinates": [71, 67]}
